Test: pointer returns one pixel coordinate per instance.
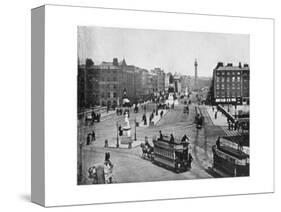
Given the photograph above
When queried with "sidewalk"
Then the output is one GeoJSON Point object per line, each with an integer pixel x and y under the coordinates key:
{"type": "Point", "coordinates": [105, 115]}
{"type": "Point", "coordinates": [221, 119]}
{"type": "Point", "coordinates": [155, 120]}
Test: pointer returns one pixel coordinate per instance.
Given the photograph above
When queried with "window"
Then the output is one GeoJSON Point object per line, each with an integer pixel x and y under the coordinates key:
{"type": "Point", "coordinates": [228, 94]}
{"type": "Point", "coordinates": [218, 79]}
{"type": "Point", "coordinates": [222, 79]}
{"type": "Point", "coordinates": [238, 79]}
{"type": "Point", "coordinates": [233, 79]}
{"type": "Point", "coordinates": [222, 86]}
{"type": "Point", "coordinates": [227, 79]}
{"type": "Point", "coordinates": [108, 95]}
{"type": "Point", "coordinates": [114, 95]}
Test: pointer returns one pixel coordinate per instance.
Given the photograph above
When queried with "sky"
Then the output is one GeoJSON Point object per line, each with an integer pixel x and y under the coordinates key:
{"type": "Point", "coordinates": [173, 51]}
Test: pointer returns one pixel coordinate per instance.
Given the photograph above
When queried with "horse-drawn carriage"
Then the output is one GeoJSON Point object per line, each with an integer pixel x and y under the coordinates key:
{"type": "Point", "coordinates": [92, 117]}
{"type": "Point", "coordinates": [170, 153]}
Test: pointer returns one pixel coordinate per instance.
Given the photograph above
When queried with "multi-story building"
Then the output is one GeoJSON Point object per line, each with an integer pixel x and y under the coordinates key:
{"type": "Point", "coordinates": [105, 84]}
{"type": "Point", "coordinates": [160, 79]}
{"type": "Point", "coordinates": [167, 81]}
{"type": "Point", "coordinates": [88, 86]}
{"type": "Point", "coordinates": [231, 84]}
{"type": "Point", "coordinates": [177, 81]}
{"type": "Point", "coordinates": [185, 83]}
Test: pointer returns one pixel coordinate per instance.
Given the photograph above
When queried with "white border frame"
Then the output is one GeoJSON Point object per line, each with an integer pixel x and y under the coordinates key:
{"type": "Point", "coordinates": [60, 141]}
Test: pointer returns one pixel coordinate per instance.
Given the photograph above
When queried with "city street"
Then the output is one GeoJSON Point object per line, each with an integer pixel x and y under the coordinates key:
{"type": "Point", "coordinates": [128, 164]}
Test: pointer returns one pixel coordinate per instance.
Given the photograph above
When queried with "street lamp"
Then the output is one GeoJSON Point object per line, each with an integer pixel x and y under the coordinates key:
{"type": "Point", "coordinates": [135, 128]}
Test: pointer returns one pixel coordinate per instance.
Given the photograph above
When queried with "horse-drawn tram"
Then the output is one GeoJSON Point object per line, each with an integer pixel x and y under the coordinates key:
{"type": "Point", "coordinates": [172, 153]}
{"type": "Point", "coordinates": [229, 161]}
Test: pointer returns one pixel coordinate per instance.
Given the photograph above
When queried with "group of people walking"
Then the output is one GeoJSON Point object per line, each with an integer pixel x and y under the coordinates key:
{"type": "Point", "coordinates": [91, 137]}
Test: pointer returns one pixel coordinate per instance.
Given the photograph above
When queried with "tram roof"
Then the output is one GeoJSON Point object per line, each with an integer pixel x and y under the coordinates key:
{"type": "Point", "coordinates": [234, 152]}
{"type": "Point", "coordinates": [243, 139]}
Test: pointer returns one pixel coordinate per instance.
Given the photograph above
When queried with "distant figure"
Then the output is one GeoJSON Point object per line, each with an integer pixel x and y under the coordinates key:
{"type": "Point", "coordinates": [144, 119]}
{"type": "Point", "coordinates": [216, 114]}
{"type": "Point", "coordinates": [93, 136]}
{"type": "Point", "coordinates": [89, 139]}
{"type": "Point", "coordinates": [185, 138]}
{"type": "Point", "coordinates": [240, 146]}
{"type": "Point", "coordinates": [172, 139]}
{"type": "Point", "coordinates": [108, 168]}
{"type": "Point", "coordinates": [97, 173]}
{"type": "Point", "coordinates": [161, 114]}
{"type": "Point", "coordinates": [160, 135]}
{"type": "Point", "coordinates": [120, 131]}
{"type": "Point", "coordinates": [218, 143]}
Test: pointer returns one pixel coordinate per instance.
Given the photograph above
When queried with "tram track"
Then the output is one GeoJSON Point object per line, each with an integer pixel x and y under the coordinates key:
{"type": "Point", "coordinates": [203, 134]}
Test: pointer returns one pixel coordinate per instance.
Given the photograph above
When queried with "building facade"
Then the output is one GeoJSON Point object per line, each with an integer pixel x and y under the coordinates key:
{"type": "Point", "coordinates": [231, 84]}
{"type": "Point", "coordinates": [105, 84]}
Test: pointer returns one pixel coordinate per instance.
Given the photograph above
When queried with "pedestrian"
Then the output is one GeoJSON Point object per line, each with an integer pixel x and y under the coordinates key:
{"type": "Point", "coordinates": [108, 168]}
{"type": "Point", "coordinates": [160, 135]}
{"type": "Point", "coordinates": [172, 139]}
{"type": "Point", "coordinates": [120, 130]}
{"type": "Point", "coordinates": [218, 143]}
{"type": "Point", "coordinates": [144, 119]}
{"type": "Point", "coordinates": [185, 138]}
{"type": "Point", "coordinates": [88, 139]}
{"type": "Point", "coordinates": [161, 113]}
{"type": "Point", "coordinates": [235, 125]}
{"type": "Point", "coordinates": [93, 135]}
{"type": "Point", "coordinates": [240, 146]}
{"type": "Point", "coordinates": [216, 114]}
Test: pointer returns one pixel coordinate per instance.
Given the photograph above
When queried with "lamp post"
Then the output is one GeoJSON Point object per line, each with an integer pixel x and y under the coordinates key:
{"type": "Point", "coordinates": [135, 128]}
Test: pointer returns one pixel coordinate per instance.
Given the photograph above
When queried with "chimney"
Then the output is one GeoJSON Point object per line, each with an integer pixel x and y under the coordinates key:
{"type": "Point", "coordinates": [115, 61]}
{"type": "Point", "coordinates": [229, 64]}
{"type": "Point", "coordinates": [239, 65]}
{"type": "Point", "coordinates": [246, 65]}
{"type": "Point", "coordinates": [220, 64]}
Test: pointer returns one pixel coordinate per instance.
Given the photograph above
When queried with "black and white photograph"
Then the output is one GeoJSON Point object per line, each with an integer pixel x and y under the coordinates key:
{"type": "Point", "coordinates": [161, 105]}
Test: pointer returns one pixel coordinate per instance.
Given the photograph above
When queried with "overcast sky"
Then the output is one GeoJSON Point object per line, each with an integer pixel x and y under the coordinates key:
{"type": "Point", "coordinates": [173, 51]}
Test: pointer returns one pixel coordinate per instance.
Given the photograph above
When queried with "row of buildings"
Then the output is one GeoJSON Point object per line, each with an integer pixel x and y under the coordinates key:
{"type": "Point", "coordinates": [106, 83]}
{"type": "Point", "coordinates": [231, 84]}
